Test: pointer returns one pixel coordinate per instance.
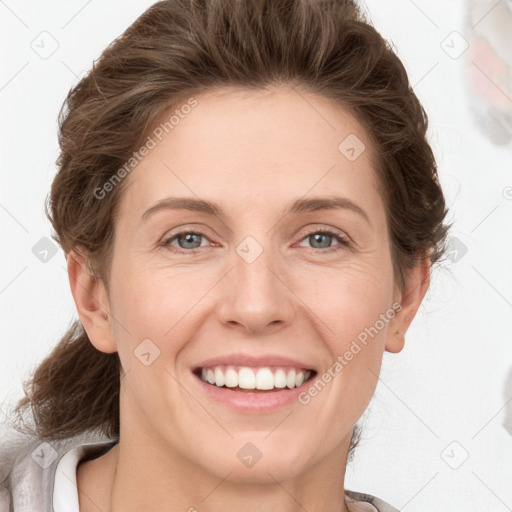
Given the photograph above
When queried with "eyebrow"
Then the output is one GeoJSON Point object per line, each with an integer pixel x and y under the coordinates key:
{"type": "Point", "coordinates": [301, 205]}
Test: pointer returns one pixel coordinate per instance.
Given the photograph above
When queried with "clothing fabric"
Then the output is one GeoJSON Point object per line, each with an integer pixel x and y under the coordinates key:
{"type": "Point", "coordinates": [41, 476]}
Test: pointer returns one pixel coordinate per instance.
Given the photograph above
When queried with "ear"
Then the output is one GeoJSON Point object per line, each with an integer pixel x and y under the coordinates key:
{"type": "Point", "coordinates": [417, 283]}
{"type": "Point", "coordinates": [91, 300]}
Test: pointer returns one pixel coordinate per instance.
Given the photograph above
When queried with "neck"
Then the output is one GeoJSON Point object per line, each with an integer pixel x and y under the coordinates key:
{"type": "Point", "coordinates": [151, 483]}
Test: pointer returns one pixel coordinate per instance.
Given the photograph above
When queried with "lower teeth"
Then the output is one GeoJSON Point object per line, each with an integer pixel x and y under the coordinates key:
{"type": "Point", "coordinates": [251, 390]}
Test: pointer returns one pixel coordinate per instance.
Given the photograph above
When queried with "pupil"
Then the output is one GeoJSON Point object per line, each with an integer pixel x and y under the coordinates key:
{"type": "Point", "coordinates": [319, 236]}
{"type": "Point", "coordinates": [189, 239]}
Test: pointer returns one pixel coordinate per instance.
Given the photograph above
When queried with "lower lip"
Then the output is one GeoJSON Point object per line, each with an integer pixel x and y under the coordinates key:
{"type": "Point", "coordinates": [253, 400]}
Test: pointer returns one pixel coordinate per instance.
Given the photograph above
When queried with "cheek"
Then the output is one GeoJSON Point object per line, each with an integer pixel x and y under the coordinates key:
{"type": "Point", "coordinates": [146, 297]}
{"type": "Point", "coordinates": [156, 304]}
{"type": "Point", "coordinates": [350, 311]}
{"type": "Point", "coordinates": [148, 308]}
{"type": "Point", "coordinates": [347, 299]}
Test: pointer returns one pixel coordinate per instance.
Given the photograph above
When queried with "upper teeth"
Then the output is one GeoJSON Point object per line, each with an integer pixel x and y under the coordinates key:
{"type": "Point", "coordinates": [253, 378]}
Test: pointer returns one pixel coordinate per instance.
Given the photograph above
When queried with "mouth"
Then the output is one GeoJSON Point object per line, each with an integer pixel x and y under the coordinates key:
{"type": "Point", "coordinates": [255, 380]}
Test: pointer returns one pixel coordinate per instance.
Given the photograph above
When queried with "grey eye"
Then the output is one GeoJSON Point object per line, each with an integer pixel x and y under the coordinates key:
{"type": "Point", "coordinates": [189, 240]}
{"type": "Point", "coordinates": [320, 239]}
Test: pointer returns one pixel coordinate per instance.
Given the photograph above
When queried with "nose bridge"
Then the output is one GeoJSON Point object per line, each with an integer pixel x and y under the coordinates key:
{"type": "Point", "coordinates": [253, 264]}
{"type": "Point", "coordinates": [257, 294]}
{"type": "Point", "coordinates": [256, 265]}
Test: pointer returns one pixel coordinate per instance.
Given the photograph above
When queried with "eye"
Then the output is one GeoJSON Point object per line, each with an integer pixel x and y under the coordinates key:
{"type": "Point", "coordinates": [188, 241]}
{"type": "Point", "coordinates": [322, 238]}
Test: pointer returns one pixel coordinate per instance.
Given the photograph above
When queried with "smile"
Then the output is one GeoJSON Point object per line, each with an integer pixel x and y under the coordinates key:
{"type": "Point", "coordinates": [245, 378]}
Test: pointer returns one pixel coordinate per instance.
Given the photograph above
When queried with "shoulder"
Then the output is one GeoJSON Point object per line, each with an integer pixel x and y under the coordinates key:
{"type": "Point", "coordinates": [28, 465]}
{"type": "Point", "coordinates": [363, 498]}
{"type": "Point", "coordinates": [11, 445]}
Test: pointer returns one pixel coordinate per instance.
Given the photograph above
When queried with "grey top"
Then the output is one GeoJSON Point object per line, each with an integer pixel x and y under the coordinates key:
{"type": "Point", "coordinates": [28, 467]}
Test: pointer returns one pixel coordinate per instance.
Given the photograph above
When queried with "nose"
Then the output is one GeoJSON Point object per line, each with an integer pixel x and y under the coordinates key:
{"type": "Point", "coordinates": [256, 298]}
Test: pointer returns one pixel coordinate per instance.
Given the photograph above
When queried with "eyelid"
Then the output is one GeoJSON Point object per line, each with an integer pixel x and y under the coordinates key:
{"type": "Point", "coordinates": [186, 228]}
{"type": "Point", "coordinates": [327, 229]}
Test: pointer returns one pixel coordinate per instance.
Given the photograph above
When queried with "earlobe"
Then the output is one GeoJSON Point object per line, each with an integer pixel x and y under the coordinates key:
{"type": "Point", "coordinates": [410, 299]}
{"type": "Point", "coordinates": [395, 342]}
{"type": "Point", "coordinates": [91, 300]}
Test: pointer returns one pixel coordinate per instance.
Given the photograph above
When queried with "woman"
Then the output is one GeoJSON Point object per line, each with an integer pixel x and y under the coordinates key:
{"type": "Point", "coordinates": [250, 212]}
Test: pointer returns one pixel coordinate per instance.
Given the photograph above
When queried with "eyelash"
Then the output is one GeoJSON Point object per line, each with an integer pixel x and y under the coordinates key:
{"type": "Point", "coordinates": [343, 241]}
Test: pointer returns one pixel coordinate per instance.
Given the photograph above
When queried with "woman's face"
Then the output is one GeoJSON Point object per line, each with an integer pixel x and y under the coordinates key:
{"type": "Point", "coordinates": [259, 278]}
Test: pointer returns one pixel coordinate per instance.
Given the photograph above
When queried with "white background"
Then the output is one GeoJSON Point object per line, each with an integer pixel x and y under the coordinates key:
{"type": "Point", "coordinates": [448, 385]}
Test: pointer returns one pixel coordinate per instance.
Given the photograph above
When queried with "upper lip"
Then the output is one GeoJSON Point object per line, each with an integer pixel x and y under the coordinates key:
{"type": "Point", "coordinates": [253, 361]}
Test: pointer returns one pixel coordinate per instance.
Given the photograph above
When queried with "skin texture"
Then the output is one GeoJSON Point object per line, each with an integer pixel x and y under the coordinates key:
{"type": "Point", "coordinates": [254, 153]}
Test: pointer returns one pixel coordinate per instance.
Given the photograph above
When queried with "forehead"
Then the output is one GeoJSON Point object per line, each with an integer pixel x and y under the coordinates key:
{"type": "Point", "coordinates": [255, 148]}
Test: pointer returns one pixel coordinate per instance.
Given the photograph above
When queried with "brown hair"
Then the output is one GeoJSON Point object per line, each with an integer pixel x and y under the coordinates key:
{"type": "Point", "coordinates": [178, 48]}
